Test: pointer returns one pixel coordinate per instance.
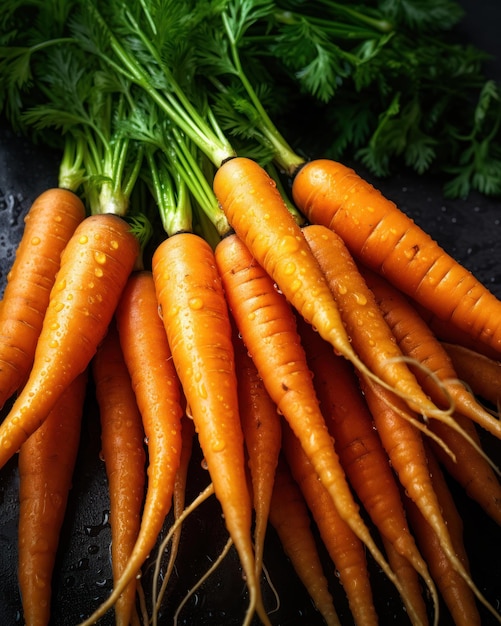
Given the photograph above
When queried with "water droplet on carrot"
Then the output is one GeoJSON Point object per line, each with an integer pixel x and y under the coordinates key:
{"type": "Point", "coordinates": [54, 343]}
{"type": "Point", "coordinates": [58, 306]}
{"type": "Point", "coordinates": [219, 445]}
{"type": "Point", "coordinates": [290, 268]}
{"type": "Point", "coordinates": [83, 239]}
{"type": "Point", "coordinates": [296, 285]}
{"type": "Point", "coordinates": [342, 289]}
{"type": "Point", "coordinates": [195, 303]}
{"type": "Point", "coordinates": [61, 285]}
{"type": "Point", "coordinates": [98, 272]}
{"type": "Point", "coordinates": [361, 299]}
{"type": "Point", "coordinates": [202, 391]}
{"type": "Point", "coordinates": [114, 244]}
{"type": "Point", "coordinates": [40, 582]}
{"type": "Point", "coordinates": [204, 464]}
{"type": "Point", "coordinates": [100, 257]}
{"type": "Point", "coordinates": [35, 241]}
{"type": "Point", "coordinates": [289, 244]}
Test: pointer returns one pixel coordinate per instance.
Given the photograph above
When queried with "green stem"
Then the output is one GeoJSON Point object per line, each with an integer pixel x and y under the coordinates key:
{"type": "Point", "coordinates": [178, 108]}
{"type": "Point", "coordinates": [285, 156]}
{"type": "Point", "coordinates": [171, 195]}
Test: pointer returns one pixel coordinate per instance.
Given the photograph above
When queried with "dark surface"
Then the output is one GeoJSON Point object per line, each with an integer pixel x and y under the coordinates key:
{"type": "Point", "coordinates": [469, 229]}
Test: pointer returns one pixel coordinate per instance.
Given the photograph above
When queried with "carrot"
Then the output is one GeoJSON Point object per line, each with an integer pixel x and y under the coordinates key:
{"type": "Point", "coordinates": [268, 328]}
{"type": "Point", "coordinates": [46, 463]}
{"type": "Point", "coordinates": [469, 469]}
{"type": "Point", "coordinates": [363, 458]}
{"type": "Point", "coordinates": [370, 335]}
{"type": "Point", "coordinates": [94, 267]}
{"type": "Point", "coordinates": [158, 394]}
{"type": "Point", "coordinates": [122, 437]}
{"type": "Point", "coordinates": [178, 500]}
{"type": "Point", "coordinates": [262, 436]}
{"type": "Point", "coordinates": [481, 373]}
{"type": "Point", "coordinates": [344, 547]}
{"type": "Point", "coordinates": [457, 595]}
{"type": "Point", "coordinates": [258, 214]}
{"type": "Point", "coordinates": [445, 331]}
{"type": "Point", "coordinates": [419, 343]}
{"type": "Point", "coordinates": [196, 319]}
{"type": "Point", "coordinates": [389, 242]}
{"type": "Point", "coordinates": [405, 448]}
{"type": "Point", "coordinates": [412, 599]}
{"type": "Point", "coordinates": [49, 223]}
{"type": "Point", "coordinates": [291, 520]}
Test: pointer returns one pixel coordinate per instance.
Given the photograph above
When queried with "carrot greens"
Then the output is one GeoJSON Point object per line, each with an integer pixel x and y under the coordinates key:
{"type": "Point", "coordinates": [185, 118]}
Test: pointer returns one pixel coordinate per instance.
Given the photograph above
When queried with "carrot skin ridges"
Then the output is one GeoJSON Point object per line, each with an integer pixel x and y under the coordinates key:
{"type": "Point", "coordinates": [197, 322]}
{"type": "Point", "coordinates": [345, 549]}
{"type": "Point", "coordinates": [46, 463]}
{"type": "Point", "coordinates": [388, 241]}
{"type": "Point", "coordinates": [122, 446]}
{"type": "Point", "coordinates": [95, 265]}
{"type": "Point", "coordinates": [49, 224]}
{"type": "Point", "coordinates": [478, 371]}
{"type": "Point", "coordinates": [290, 518]}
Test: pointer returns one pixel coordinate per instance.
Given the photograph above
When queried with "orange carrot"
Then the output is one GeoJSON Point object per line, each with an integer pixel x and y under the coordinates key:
{"type": "Point", "coordinates": [158, 394]}
{"type": "Point", "coordinates": [260, 218]}
{"type": "Point", "coordinates": [94, 268]}
{"type": "Point", "coordinates": [291, 520]}
{"type": "Point", "coordinates": [122, 441]}
{"type": "Point", "coordinates": [49, 224]}
{"type": "Point", "coordinates": [446, 331]}
{"type": "Point", "coordinates": [412, 599]}
{"type": "Point", "coordinates": [268, 328]}
{"type": "Point", "coordinates": [262, 435]}
{"type": "Point", "coordinates": [469, 469]}
{"type": "Point", "coordinates": [178, 507]}
{"type": "Point", "coordinates": [46, 463]}
{"type": "Point", "coordinates": [405, 448]}
{"type": "Point", "coordinates": [363, 457]}
{"type": "Point", "coordinates": [388, 241]}
{"type": "Point", "coordinates": [478, 371]}
{"type": "Point", "coordinates": [345, 549]}
{"type": "Point", "coordinates": [370, 335]}
{"type": "Point", "coordinates": [197, 323]}
{"type": "Point", "coordinates": [419, 343]}
{"type": "Point", "coordinates": [457, 595]}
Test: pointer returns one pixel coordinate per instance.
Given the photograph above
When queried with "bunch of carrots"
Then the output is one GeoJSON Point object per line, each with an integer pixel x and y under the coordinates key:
{"type": "Point", "coordinates": [298, 336]}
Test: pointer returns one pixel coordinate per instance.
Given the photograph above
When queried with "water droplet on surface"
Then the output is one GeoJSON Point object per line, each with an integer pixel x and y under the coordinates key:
{"type": "Point", "coordinates": [35, 241]}
{"type": "Point", "coordinates": [195, 303]}
{"type": "Point", "coordinates": [100, 257]}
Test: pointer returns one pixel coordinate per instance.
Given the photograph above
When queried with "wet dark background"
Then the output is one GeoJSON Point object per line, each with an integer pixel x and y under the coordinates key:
{"type": "Point", "coordinates": [469, 229]}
